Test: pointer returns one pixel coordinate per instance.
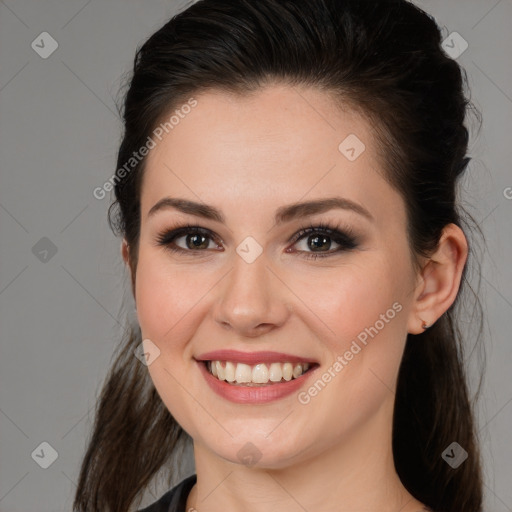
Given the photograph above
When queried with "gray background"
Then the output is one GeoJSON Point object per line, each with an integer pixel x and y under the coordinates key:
{"type": "Point", "coordinates": [61, 318]}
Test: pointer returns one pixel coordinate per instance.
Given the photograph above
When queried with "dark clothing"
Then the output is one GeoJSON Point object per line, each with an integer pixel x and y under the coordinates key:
{"type": "Point", "coordinates": [174, 500]}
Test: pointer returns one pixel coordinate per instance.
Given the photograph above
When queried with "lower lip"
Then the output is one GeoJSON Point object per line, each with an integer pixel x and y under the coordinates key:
{"type": "Point", "coordinates": [253, 394]}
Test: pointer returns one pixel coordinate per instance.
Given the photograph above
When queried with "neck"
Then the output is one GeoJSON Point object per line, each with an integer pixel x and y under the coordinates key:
{"type": "Point", "coordinates": [358, 473]}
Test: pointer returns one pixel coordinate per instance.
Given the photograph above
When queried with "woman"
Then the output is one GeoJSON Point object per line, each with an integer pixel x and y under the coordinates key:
{"type": "Point", "coordinates": [286, 194]}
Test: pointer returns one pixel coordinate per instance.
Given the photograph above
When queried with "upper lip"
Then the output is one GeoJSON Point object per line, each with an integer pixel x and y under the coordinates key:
{"type": "Point", "coordinates": [252, 357]}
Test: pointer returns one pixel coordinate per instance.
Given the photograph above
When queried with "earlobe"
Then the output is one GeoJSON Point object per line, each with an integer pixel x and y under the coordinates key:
{"type": "Point", "coordinates": [125, 253]}
{"type": "Point", "coordinates": [440, 280]}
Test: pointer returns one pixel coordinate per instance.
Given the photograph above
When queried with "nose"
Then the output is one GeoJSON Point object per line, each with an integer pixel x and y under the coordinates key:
{"type": "Point", "coordinates": [252, 300]}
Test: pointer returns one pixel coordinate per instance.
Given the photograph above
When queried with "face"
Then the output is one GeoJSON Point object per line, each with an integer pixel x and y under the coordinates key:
{"type": "Point", "coordinates": [251, 280]}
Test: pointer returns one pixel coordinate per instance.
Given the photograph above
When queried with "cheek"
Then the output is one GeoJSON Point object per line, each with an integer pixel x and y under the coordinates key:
{"type": "Point", "coordinates": [361, 310]}
{"type": "Point", "coordinates": [367, 317]}
{"type": "Point", "coordinates": [166, 296]}
{"type": "Point", "coordinates": [348, 299]}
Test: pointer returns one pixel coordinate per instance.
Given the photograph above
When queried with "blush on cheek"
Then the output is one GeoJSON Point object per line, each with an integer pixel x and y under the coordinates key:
{"type": "Point", "coordinates": [373, 333]}
{"type": "Point", "coordinates": [157, 306]}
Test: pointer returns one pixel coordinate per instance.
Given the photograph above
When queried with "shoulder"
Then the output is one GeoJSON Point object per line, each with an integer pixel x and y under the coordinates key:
{"type": "Point", "coordinates": [173, 500]}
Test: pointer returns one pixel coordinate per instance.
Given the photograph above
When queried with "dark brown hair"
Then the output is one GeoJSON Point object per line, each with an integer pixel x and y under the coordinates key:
{"type": "Point", "coordinates": [383, 58]}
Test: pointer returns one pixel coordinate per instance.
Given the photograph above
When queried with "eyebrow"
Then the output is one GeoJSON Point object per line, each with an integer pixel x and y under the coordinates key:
{"type": "Point", "coordinates": [283, 214]}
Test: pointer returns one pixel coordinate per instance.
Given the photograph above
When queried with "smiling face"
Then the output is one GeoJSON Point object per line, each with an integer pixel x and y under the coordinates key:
{"type": "Point", "coordinates": [248, 281]}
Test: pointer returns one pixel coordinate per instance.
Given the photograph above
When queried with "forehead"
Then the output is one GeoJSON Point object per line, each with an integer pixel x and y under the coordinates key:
{"type": "Point", "coordinates": [273, 146]}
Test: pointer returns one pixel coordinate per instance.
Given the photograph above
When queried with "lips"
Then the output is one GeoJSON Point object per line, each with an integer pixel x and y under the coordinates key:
{"type": "Point", "coordinates": [252, 358]}
{"type": "Point", "coordinates": [258, 394]}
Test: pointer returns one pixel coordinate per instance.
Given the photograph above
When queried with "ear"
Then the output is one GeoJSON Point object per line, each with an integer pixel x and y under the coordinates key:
{"type": "Point", "coordinates": [125, 253]}
{"type": "Point", "coordinates": [439, 280]}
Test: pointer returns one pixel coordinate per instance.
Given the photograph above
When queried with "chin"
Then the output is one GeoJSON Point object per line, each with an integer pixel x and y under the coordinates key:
{"type": "Point", "coordinates": [263, 454]}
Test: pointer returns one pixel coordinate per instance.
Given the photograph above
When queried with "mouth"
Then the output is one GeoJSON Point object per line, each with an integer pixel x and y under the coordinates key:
{"type": "Point", "coordinates": [260, 374]}
{"type": "Point", "coordinates": [255, 377]}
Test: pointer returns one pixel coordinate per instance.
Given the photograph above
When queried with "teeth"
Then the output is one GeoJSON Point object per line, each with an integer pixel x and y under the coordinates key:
{"type": "Point", "coordinates": [275, 372]}
{"type": "Point", "coordinates": [287, 371]}
{"type": "Point", "coordinates": [229, 371]}
{"type": "Point", "coordinates": [240, 373]}
{"type": "Point", "coordinates": [221, 374]}
{"type": "Point", "coordinates": [243, 373]}
{"type": "Point", "coordinates": [260, 374]}
{"type": "Point", "coordinates": [297, 370]}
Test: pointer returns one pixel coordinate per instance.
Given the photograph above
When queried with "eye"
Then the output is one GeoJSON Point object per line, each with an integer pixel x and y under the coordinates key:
{"type": "Point", "coordinates": [321, 237]}
{"type": "Point", "coordinates": [195, 239]}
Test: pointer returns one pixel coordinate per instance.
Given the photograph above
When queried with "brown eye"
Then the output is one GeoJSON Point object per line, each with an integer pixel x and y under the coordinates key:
{"type": "Point", "coordinates": [194, 239]}
{"type": "Point", "coordinates": [317, 240]}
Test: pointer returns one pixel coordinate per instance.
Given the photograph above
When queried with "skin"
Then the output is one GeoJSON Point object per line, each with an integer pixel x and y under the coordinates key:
{"type": "Point", "coordinates": [333, 453]}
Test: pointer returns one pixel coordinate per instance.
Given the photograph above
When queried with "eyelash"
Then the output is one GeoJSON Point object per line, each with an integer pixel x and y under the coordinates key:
{"type": "Point", "coordinates": [345, 237]}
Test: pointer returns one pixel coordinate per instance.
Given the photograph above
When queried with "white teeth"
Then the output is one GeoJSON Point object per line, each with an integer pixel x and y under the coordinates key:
{"type": "Point", "coordinates": [229, 372]}
{"type": "Point", "coordinates": [275, 372]}
{"type": "Point", "coordinates": [287, 371]}
{"type": "Point", "coordinates": [240, 373]}
{"type": "Point", "coordinates": [221, 375]}
{"type": "Point", "coordinates": [243, 373]}
{"type": "Point", "coordinates": [297, 370]}
{"type": "Point", "coordinates": [260, 374]}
